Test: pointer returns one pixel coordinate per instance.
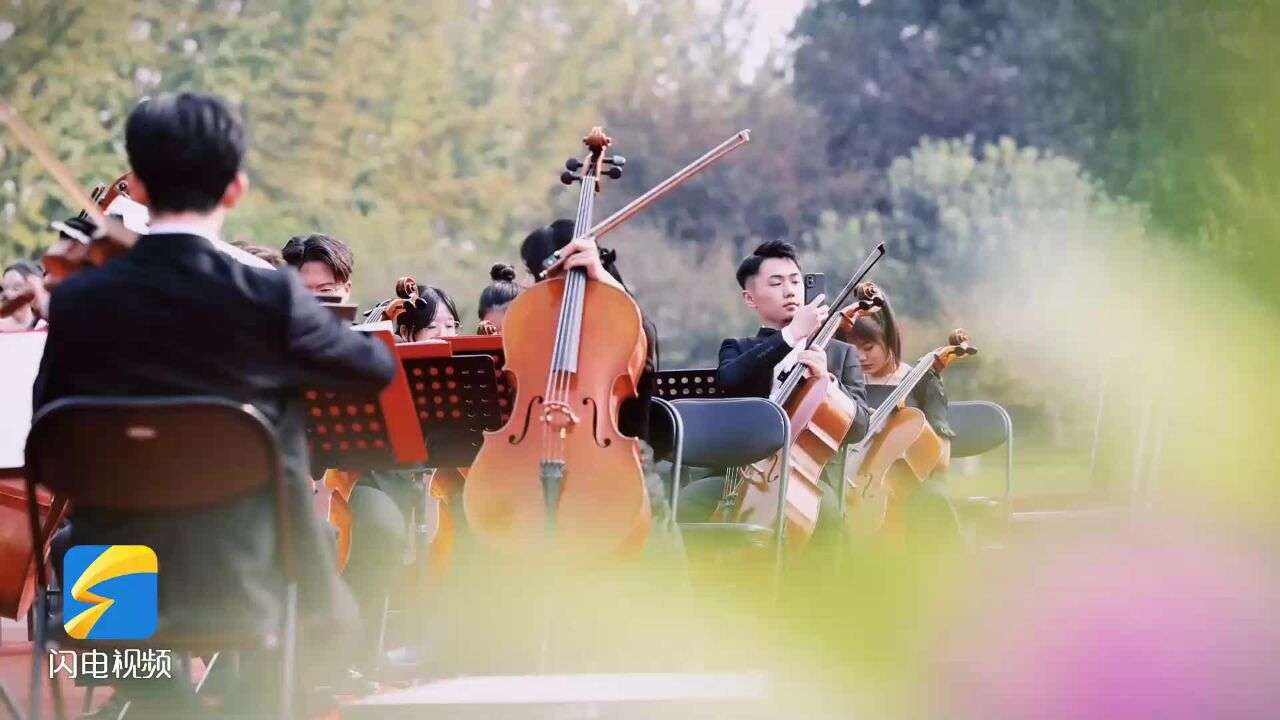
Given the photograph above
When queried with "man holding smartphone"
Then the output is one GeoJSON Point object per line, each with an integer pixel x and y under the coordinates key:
{"type": "Point", "coordinates": [772, 286]}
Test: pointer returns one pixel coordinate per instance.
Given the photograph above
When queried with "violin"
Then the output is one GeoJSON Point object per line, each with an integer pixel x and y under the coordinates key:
{"type": "Point", "coordinates": [821, 416]}
{"type": "Point", "coordinates": [900, 448]}
{"type": "Point", "coordinates": [559, 475]}
{"type": "Point", "coordinates": [74, 250]}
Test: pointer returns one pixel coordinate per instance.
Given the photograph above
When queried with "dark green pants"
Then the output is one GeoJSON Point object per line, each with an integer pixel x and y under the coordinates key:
{"type": "Point", "coordinates": [379, 536]}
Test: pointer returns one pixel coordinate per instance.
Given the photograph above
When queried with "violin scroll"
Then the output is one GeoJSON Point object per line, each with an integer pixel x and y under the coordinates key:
{"type": "Point", "coordinates": [957, 347]}
{"type": "Point", "coordinates": [868, 301]}
{"type": "Point", "coordinates": [596, 141]}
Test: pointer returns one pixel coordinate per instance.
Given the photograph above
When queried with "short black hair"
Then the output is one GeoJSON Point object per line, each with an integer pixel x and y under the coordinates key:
{"type": "Point", "coordinates": [540, 243]}
{"type": "Point", "coordinates": [25, 268]}
{"type": "Point", "coordinates": [501, 290]}
{"type": "Point", "coordinates": [415, 306]}
{"type": "Point", "coordinates": [292, 251]}
{"type": "Point", "coordinates": [318, 247]}
{"type": "Point", "coordinates": [750, 265]}
{"type": "Point", "coordinates": [443, 297]}
{"type": "Point", "coordinates": [186, 149]}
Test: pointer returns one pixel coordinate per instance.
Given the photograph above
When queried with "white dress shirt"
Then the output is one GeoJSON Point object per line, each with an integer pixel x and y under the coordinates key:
{"type": "Point", "coordinates": [788, 362]}
{"type": "Point", "coordinates": [181, 228]}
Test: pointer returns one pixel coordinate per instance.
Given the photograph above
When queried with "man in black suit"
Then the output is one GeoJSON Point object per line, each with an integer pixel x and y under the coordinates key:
{"type": "Point", "coordinates": [773, 286]}
{"type": "Point", "coordinates": [181, 315]}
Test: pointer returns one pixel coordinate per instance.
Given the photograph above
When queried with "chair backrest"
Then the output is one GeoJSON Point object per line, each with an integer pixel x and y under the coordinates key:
{"type": "Point", "coordinates": [663, 430]}
{"type": "Point", "coordinates": [979, 426]}
{"type": "Point", "coordinates": [731, 432]}
{"type": "Point", "coordinates": [150, 455]}
{"type": "Point", "coordinates": [692, 384]}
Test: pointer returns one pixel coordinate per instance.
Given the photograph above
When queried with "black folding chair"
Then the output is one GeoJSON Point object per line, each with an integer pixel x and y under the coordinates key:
{"type": "Point", "coordinates": [981, 426]}
{"type": "Point", "coordinates": [733, 432]}
{"type": "Point", "coordinates": [161, 456]}
{"type": "Point", "coordinates": [666, 436]}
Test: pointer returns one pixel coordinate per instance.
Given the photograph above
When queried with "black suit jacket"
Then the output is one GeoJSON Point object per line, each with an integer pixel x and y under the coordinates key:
{"type": "Point", "coordinates": [175, 316]}
{"type": "Point", "coordinates": [746, 370]}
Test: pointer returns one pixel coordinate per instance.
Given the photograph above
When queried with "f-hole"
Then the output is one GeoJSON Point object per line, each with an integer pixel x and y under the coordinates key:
{"type": "Point", "coordinates": [517, 439]}
{"type": "Point", "coordinates": [595, 423]}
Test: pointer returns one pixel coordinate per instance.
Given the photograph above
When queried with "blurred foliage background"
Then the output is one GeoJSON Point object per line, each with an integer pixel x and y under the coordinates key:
{"type": "Point", "coordinates": [1089, 186]}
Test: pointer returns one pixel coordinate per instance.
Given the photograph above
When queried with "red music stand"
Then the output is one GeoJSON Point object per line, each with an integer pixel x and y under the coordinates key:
{"type": "Point", "coordinates": [364, 430]}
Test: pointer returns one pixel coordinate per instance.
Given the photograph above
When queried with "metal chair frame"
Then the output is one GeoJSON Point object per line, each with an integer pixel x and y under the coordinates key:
{"type": "Point", "coordinates": [243, 413]}
{"type": "Point", "coordinates": [779, 528]}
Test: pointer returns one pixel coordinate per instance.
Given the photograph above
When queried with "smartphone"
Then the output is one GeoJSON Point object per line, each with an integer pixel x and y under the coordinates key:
{"type": "Point", "coordinates": [329, 299]}
{"type": "Point", "coordinates": [815, 284]}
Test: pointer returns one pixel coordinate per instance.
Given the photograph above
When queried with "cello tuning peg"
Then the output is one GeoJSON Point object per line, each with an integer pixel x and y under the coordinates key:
{"type": "Point", "coordinates": [573, 164]}
{"type": "Point", "coordinates": [616, 161]}
{"type": "Point", "coordinates": [614, 172]}
{"type": "Point", "coordinates": [567, 177]}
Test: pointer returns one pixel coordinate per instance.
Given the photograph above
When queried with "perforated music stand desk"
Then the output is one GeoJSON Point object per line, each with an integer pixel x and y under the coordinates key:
{"type": "Point", "coordinates": [456, 399]}
{"type": "Point", "coordinates": [687, 384]}
{"type": "Point", "coordinates": [356, 431]}
{"type": "Point", "coordinates": [490, 345]}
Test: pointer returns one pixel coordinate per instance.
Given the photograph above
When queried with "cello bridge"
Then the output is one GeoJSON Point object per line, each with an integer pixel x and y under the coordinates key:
{"type": "Point", "coordinates": [559, 416]}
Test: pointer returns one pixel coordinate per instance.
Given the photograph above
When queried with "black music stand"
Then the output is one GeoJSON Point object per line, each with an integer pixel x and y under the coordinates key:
{"type": "Point", "coordinates": [456, 399]}
{"type": "Point", "coordinates": [687, 384]}
{"type": "Point", "coordinates": [490, 345]}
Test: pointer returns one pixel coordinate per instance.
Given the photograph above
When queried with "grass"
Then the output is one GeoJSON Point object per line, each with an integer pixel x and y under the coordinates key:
{"type": "Point", "coordinates": [1038, 470]}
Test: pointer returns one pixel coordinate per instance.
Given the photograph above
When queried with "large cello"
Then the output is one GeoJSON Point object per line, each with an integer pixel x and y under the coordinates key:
{"type": "Point", "coordinates": [559, 475]}
{"type": "Point", "coordinates": [821, 416]}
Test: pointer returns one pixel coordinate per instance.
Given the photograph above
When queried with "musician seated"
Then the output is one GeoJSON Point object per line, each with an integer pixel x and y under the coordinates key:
{"type": "Point", "coordinates": [23, 279]}
{"type": "Point", "coordinates": [325, 264]}
{"type": "Point", "coordinates": [496, 298]}
{"type": "Point", "coordinates": [178, 315]}
{"type": "Point", "coordinates": [601, 266]}
{"type": "Point", "coordinates": [772, 285]}
{"type": "Point", "coordinates": [929, 514]}
{"type": "Point", "coordinates": [422, 313]}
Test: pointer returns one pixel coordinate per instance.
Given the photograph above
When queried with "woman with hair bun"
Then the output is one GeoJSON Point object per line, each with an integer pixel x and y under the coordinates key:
{"type": "Point", "coordinates": [496, 298]}
{"type": "Point", "coordinates": [421, 313]}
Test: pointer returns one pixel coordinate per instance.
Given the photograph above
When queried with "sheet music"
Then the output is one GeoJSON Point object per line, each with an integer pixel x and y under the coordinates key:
{"type": "Point", "coordinates": [19, 360]}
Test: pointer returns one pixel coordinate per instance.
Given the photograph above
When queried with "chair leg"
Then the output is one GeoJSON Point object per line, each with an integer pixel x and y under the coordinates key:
{"type": "Point", "coordinates": [288, 657]}
{"type": "Point", "coordinates": [9, 707]}
{"type": "Point", "coordinates": [59, 709]}
{"type": "Point", "coordinates": [208, 668]}
{"type": "Point", "coordinates": [780, 534]}
{"type": "Point", "coordinates": [677, 466]}
{"type": "Point", "coordinates": [382, 630]}
{"type": "Point", "coordinates": [37, 622]}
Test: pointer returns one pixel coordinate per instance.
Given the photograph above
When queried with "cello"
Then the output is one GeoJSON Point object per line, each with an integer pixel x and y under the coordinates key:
{"type": "Point", "coordinates": [900, 449]}
{"type": "Point", "coordinates": [559, 475]}
{"type": "Point", "coordinates": [821, 416]}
